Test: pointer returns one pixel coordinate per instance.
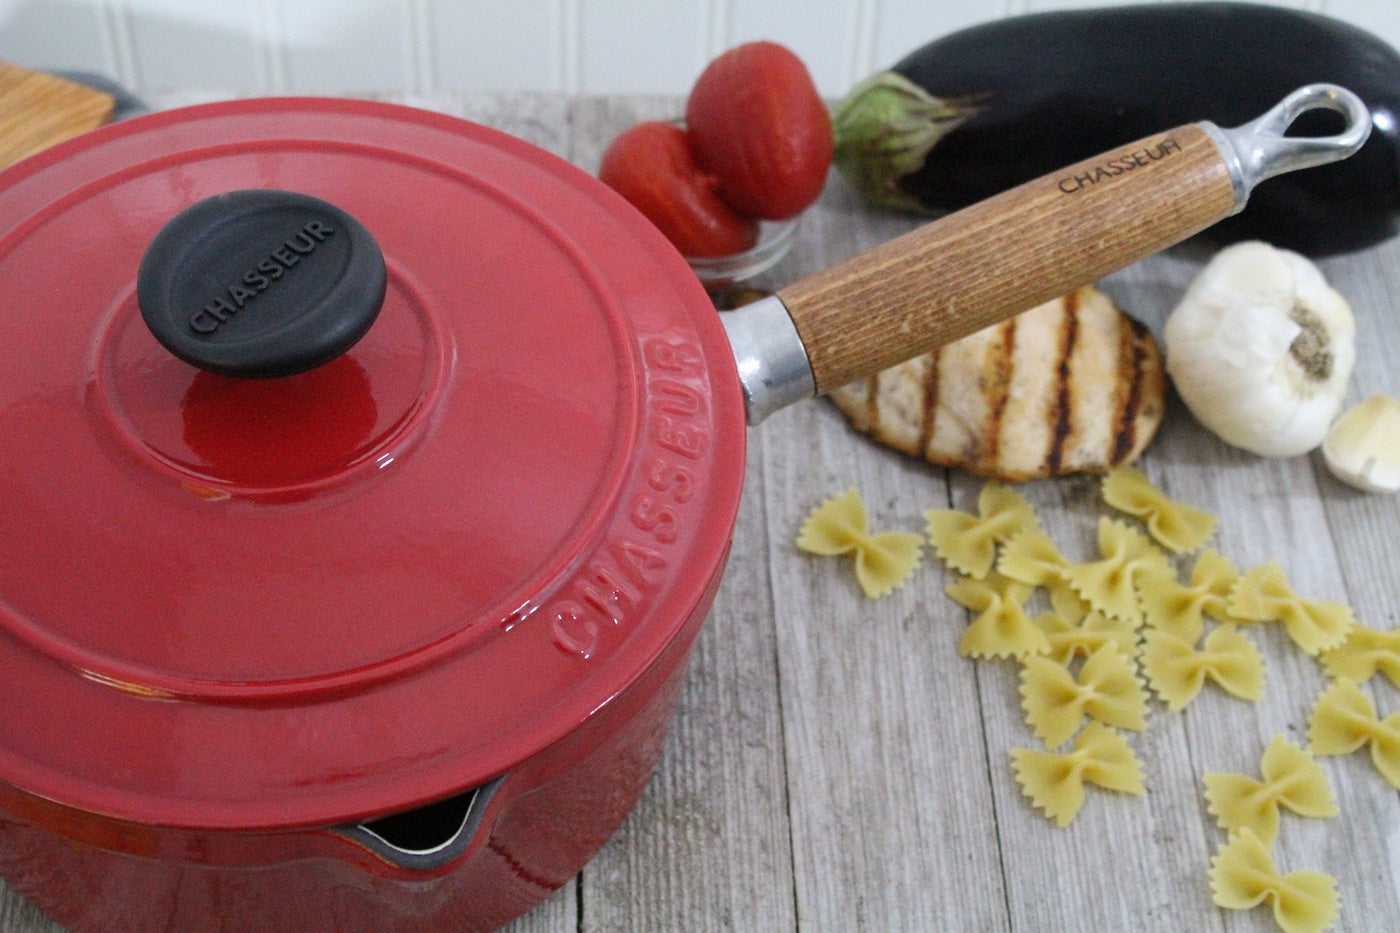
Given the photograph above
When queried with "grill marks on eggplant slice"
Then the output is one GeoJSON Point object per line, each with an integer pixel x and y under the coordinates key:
{"type": "Point", "coordinates": [1130, 402]}
{"type": "Point", "coordinates": [1064, 385]}
{"type": "Point", "coordinates": [996, 389]}
{"type": "Point", "coordinates": [930, 420]}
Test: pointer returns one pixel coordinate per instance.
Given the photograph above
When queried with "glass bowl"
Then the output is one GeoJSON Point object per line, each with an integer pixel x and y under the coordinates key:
{"type": "Point", "coordinates": [775, 238]}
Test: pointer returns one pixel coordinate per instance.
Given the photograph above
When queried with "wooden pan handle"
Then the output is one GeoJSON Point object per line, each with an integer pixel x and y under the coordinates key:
{"type": "Point", "coordinates": [1008, 254]}
{"type": "Point", "coordinates": [1020, 249]}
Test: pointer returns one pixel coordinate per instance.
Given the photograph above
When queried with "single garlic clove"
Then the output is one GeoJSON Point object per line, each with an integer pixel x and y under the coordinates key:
{"type": "Point", "coordinates": [1362, 448]}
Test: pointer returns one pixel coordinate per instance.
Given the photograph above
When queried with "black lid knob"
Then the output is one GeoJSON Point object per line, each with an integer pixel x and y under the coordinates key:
{"type": "Point", "coordinates": [261, 283]}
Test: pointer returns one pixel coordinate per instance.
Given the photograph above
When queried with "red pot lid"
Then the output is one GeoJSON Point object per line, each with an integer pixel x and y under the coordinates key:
{"type": "Point", "coordinates": [233, 602]}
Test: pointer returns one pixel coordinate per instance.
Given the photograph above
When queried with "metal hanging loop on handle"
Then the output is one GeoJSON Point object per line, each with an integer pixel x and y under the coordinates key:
{"type": "Point", "coordinates": [1258, 150]}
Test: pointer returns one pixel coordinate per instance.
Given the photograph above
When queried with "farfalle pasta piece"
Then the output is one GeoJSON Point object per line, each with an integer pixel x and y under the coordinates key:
{"type": "Point", "coordinates": [1343, 720]}
{"type": "Point", "coordinates": [1175, 525]}
{"type": "Point", "coordinates": [840, 526]}
{"type": "Point", "coordinates": [1364, 653]}
{"type": "Point", "coordinates": [1107, 690]}
{"type": "Point", "coordinates": [968, 543]}
{"type": "Point", "coordinates": [1032, 558]}
{"type": "Point", "coordinates": [1177, 669]}
{"type": "Point", "coordinates": [1001, 628]}
{"type": "Point", "coordinates": [1110, 585]}
{"type": "Point", "coordinates": [1066, 640]}
{"type": "Point", "coordinates": [1179, 609]}
{"type": "Point", "coordinates": [1067, 604]}
{"type": "Point", "coordinates": [1291, 778]}
{"type": "Point", "coordinates": [1263, 594]}
{"type": "Point", "coordinates": [1054, 781]}
{"type": "Point", "coordinates": [1243, 876]}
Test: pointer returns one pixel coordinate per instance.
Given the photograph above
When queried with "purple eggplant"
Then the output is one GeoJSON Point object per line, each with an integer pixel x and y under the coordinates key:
{"type": "Point", "coordinates": [986, 108]}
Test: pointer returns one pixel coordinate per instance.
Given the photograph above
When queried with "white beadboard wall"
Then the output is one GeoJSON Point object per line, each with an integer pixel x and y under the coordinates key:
{"type": "Point", "coordinates": [415, 47]}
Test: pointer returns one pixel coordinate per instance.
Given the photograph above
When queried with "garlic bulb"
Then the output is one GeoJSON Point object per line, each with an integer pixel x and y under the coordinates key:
{"type": "Point", "coordinates": [1260, 349]}
{"type": "Point", "coordinates": [1363, 448]}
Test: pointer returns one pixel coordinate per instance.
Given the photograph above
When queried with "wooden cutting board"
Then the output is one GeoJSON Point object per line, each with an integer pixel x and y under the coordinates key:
{"type": "Point", "coordinates": [38, 110]}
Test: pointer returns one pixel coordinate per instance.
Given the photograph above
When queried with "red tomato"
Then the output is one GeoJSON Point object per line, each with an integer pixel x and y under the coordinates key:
{"type": "Point", "coordinates": [652, 166]}
{"type": "Point", "coordinates": [757, 122]}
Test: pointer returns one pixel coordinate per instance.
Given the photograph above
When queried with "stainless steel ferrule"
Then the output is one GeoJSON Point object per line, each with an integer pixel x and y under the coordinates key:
{"type": "Point", "coordinates": [773, 365]}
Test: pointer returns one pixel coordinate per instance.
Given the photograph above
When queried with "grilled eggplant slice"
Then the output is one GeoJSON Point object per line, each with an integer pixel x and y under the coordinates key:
{"type": "Point", "coordinates": [1074, 385]}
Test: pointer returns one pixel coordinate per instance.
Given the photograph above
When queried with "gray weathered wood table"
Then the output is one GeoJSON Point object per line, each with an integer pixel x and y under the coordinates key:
{"type": "Point", "coordinates": [837, 766]}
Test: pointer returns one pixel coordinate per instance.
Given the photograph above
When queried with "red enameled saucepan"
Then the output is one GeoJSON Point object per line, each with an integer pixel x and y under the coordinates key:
{"type": "Point", "coordinates": [365, 475]}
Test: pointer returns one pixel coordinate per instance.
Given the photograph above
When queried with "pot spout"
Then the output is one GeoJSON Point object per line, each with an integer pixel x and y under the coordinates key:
{"type": "Point", "coordinates": [425, 838]}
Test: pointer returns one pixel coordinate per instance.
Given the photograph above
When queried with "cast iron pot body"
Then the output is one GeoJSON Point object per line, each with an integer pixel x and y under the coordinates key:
{"type": "Point", "coordinates": [245, 621]}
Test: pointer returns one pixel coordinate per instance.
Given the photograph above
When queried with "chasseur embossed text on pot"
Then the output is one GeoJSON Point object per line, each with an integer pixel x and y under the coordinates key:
{"type": "Point", "coordinates": [367, 474]}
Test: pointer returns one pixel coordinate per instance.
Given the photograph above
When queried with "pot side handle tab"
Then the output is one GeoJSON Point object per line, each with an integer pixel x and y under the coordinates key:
{"type": "Point", "coordinates": [1019, 249]}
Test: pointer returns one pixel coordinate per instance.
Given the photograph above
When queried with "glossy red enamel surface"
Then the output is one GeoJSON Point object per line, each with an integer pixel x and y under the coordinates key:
{"type": "Point", "coordinates": [253, 604]}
